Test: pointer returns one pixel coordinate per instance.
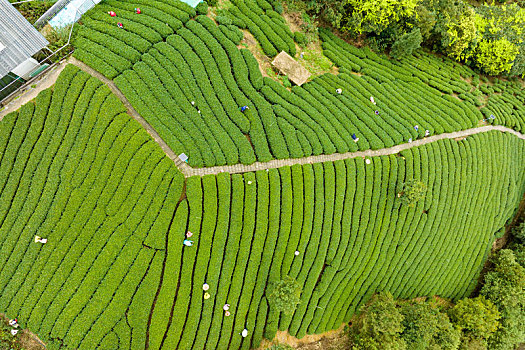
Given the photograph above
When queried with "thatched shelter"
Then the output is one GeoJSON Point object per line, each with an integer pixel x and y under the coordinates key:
{"type": "Point", "coordinates": [289, 66]}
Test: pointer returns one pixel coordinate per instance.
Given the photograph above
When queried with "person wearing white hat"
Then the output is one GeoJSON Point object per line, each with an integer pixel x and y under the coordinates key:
{"type": "Point", "coordinates": [226, 307]}
{"type": "Point", "coordinates": [205, 286]}
{"type": "Point", "coordinates": [40, 239]}
{"type": "Point", "coordinates": [244, 333]}
{"type": "Point", "coordinates": [14, 331]}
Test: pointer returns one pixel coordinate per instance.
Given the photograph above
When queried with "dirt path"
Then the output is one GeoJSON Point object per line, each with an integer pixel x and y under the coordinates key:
{"type": "Point", "coordinates": [188, 171]}
{"type": "Point", "coordinates": [277, 163]}
{"type": "Point", "coordinates": [30, 93]}
{"type": "Point", "coordinates": [183, 167]}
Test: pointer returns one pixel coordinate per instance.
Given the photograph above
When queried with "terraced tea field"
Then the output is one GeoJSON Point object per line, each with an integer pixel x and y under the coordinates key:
{"type": "Point", "coordinates": [77, 169]}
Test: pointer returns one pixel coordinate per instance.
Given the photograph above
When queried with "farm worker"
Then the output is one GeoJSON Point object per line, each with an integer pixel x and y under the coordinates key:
{"type": "Point", "coordinates": [120, 25]}
{"type": "Point", "coordinates": [226, 307]}
{"type": "Point", "coordinates": [372, 100]}
{"type": "Point", "coordinates": [14, 331]}
{"type": "Point", "coordinates": [189, 234]}
{"type": "Point", "coordinates": [112, 14]}
{"type": "Point", "coordinates": [296, 253]}
{"type": "Point", "coordinates": [249, 182]}
{"type": "Point", "coordinates": [367, 161]}
{"type": "Point", "coordinates": [244, 333]}
{"type": "Point", "coordinates": [226, 313]}
{"type": "Point", "coordinates": [416, 127]}
{"type": "Point", "coordinates": [427, 133]}
{"type": "Point", "coordinates": [243, 108]}
{"type": "Point", "coordinates": [13, 323]}
{"type": "Point", "coordinates": [492, 116]}
{"type": "Point", "coordinates": [355, 138]}
{"type": "Point", "coordinates": [302, 54]}
{"type": "Point", "coordinates": [409, 140]}
{"type": "Point", "coordinates": [40, 239]}
{"type": "Point", "coordinates": [193, 103]}
{"type": "Point", "coordinates": [339, 91]}
{"type": "Point", "coordinates": [206, 296]}
{"type": "Point", "coordinates": [377, 112]}
{"type": "Point", "coordinates": [137, 10]}
{"type": "Point", "coordinates": [187, 243]}
{"type": "Point", "coordinates": [205, 286]}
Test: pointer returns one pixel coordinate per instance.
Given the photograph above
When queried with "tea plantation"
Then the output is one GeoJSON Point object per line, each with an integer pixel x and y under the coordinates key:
{"type": "Point", "coordinates": [78, 170]}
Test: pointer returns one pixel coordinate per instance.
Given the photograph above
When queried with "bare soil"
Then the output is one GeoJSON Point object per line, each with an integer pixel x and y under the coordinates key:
{"type": "Point", "coordinates": [331, 340]}
{"type": "Point", "coordinates": [250, 43]}
{"type": "Point", "coordinates": [26, 339]}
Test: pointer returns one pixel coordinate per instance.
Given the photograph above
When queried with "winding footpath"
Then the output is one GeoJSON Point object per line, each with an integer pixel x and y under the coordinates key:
{"type": "Point", "coordinates": [188, 171]}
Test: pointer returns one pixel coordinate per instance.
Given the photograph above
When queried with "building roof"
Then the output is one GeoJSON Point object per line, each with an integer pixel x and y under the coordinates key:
{"type": "Point", "coordinates": [19, 38]}
{"type": "Point", "coordinates": [289, 66]}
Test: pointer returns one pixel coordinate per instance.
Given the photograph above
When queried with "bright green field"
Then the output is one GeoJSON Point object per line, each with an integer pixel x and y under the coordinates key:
{"type": "Point", "coordinates": [76, 169]}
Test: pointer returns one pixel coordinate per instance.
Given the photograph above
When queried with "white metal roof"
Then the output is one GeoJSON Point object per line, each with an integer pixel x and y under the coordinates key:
{"type": "Point", "coordinates": [20, 38]}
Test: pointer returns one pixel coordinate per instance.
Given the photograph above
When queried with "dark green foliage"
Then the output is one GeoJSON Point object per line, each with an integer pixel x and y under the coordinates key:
{"type": "Point", "coordinates": [202, 8]}
{"type": "Point", "coordinates": [504, 286]}
{"type": "Point", "coordinates": [519, 232]}
{"type": "Point", "coordinates": [406, 44]}
{"type": "Point", "coordinates": [426, 327]}
{"type": "Point", "coordinates": [412, 191]}
{"type": "Point", "coordinates": [477, 318]}
{"type": "Point", "coordinates": [284, 295]}
{"type": "Point", "coordinates": [379, 325]}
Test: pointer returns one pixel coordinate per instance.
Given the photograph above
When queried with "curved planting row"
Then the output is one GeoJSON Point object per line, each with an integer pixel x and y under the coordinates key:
{"type": "Point", "coordinates": [425, 84]}
{"type": "Point", "coordinates": [78, 171]}
{"type": "Point", "coordinates": [266, 25]}
{"type": "Point", "coordinates": [352, 235]}
{"type": "Point", "coordinates": [189, 80]}
{"type": "Point", "coordinates": [100, 43]}
{"type": "Point", "coordinates": [506, 108]}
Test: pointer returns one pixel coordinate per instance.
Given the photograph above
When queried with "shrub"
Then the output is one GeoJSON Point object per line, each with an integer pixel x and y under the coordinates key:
{"type": "Point", "coordinates": [406, 44]}
{"type": "Point", "coordinates": [223, 20]}
{"type": "Point", "coordinates": [477, 318]}
{"type": "Point", "coordinates": [300, 38]}
{"type": "Point", "coordinates": [284, 295]}
{"type": "Point", "coordinates": [379, 325]}
{"type": "Point", "coordinates": [202, 8]}
{"type": "Point", "coordinates": [413, 191]}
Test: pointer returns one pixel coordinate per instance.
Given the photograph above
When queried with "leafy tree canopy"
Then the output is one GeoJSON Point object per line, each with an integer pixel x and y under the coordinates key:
{"type": "Point", "coordinates": [379, 325]}
{"type": "Point", "coordinates": [284, 295]}
{"type": "Point", "coordinates": [376, 16]}
{"type": "Point", "coordinates": [413, 190]}
{"type": "Point", "coordinates": [477, 318]}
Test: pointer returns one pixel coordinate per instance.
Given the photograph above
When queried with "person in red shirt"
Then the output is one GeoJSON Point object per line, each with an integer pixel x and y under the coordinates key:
{"type": "Point", "coordinates": [112, 14]}
{"type": "Point", "coordinates": [137, 10]}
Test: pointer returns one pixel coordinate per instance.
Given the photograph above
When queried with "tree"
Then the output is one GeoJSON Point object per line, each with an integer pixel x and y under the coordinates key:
{"type": "Point", "coordinates": [477, 318]}
{"type": "Point", "coordinates": [503, 28]}
{"type": "Point", "coordinates": [461, 34]}
{"type": "Point", "coordinates": [504, 285]}
{"type": "Point", "coordinates": [379, 325]}
{"type": "Point", "coordinates": [426, 327]}
{"type": "Point", "coordinates": [284, 295]}
{"type": "Point", "coordinates": [367, 16]}
{"type": "Point", "coordinates": [406, 44]}
{"type": "Point", "coordinates": [413, 190]}
{"type": "Point", "coordinates": [496, 57]}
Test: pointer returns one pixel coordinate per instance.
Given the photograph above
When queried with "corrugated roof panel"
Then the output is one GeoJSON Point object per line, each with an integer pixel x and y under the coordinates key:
{"type": "Point", "coordinates": [20, 38]}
